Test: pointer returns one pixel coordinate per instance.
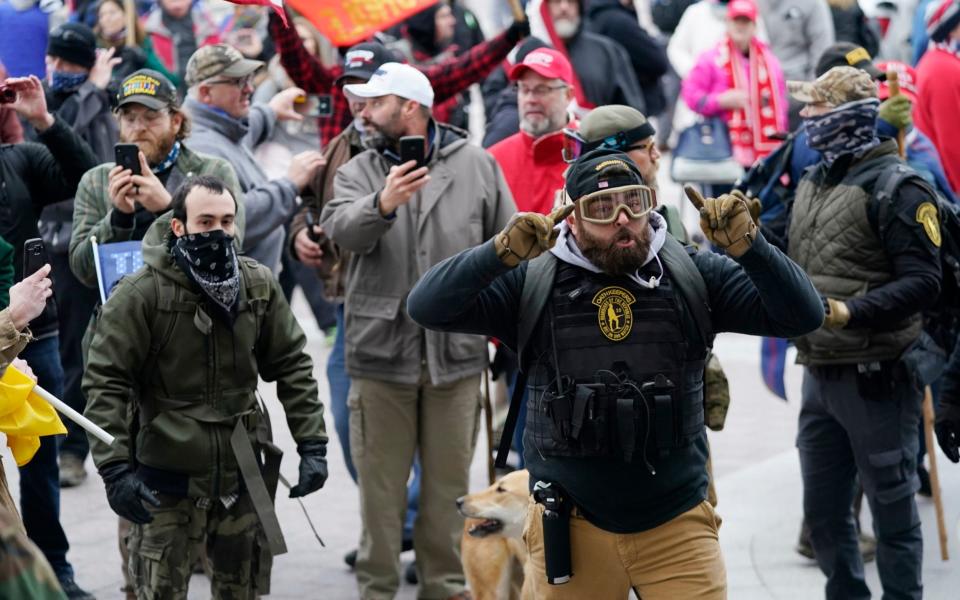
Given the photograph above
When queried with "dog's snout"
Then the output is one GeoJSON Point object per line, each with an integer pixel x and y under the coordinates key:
{"type": "Point", "coordinates": [460, 502]}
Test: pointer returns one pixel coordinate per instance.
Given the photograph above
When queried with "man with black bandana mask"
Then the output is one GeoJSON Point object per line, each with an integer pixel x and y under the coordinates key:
{"type": "Point", "coordinates": [200, 457]}
{"type": "Point", "coordinates": [872, 252]}
{"type": "Point", "coordinates": [115, 205]}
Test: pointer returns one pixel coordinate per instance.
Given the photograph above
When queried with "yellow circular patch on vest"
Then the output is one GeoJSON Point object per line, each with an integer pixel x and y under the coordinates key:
{"type": "Point", "coordinates": [928, 217]}
{"type": "Point", "coordinates": [614, 314]}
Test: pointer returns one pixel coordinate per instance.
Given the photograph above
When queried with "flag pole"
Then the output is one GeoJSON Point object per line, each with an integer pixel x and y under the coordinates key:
{"type": "Point", "coordinates": [518, 14]}
{"type": "Point", "coordinates": [893, 81]}
{"type": "Point", "coordinates": [74, 416]}
{"type": "Point", "coordinates": [928, 418]}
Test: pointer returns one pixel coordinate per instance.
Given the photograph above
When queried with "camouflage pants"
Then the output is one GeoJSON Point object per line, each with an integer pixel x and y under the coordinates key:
{"type": "Point", "coordinates": [163, 552]}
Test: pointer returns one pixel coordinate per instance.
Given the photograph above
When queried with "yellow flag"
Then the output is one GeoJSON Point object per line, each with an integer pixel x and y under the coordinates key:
{"type": "Point", "coordinates": [25, 416]}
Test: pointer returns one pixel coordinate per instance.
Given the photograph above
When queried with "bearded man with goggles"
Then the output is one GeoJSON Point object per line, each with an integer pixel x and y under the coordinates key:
{"type": "Point", "coordinates": [612, 320]}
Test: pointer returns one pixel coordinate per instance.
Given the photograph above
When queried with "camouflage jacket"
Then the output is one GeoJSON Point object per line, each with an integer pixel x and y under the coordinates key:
{"type": "Point", "coordinates": [24, 572]}
{"type": "Point", "coordinates": [92, 208]}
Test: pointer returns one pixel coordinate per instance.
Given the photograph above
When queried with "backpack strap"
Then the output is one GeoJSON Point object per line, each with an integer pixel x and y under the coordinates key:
{"type": "Point", "coordinates": [885, 191]}
{"type": "Point", "coordinates": [690, 284]}
{"type": "Point", "coordinates": [536, 290]}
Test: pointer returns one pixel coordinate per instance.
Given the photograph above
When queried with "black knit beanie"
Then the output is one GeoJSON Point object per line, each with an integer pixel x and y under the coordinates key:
{"type": "Point", "coordinates": [73, 42]}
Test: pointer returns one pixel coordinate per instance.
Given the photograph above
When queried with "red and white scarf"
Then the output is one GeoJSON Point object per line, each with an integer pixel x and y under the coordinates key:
{"type": "Point", "coordinates": [751, 129]}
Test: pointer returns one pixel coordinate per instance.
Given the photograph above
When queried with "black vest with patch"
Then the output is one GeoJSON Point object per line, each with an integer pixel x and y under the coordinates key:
{"type": "Point", "coordinates": [612, 373]}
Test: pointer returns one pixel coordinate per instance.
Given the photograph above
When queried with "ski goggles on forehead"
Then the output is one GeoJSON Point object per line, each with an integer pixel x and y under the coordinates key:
{"type": "Point", "coordinates": [574, 145]}
{"type": "Point", "coordinates": [603, 207]}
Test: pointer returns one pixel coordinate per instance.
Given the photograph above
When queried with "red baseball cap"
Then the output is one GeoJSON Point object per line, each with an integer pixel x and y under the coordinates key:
{"type": "Point", "coordinates": [546, 62]}
{"type": "Point", "coordinates": [906, 77]}
{"type": "Point", "coordinates": [742, 8]}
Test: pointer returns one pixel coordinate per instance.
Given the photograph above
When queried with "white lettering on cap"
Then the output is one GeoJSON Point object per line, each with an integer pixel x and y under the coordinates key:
{"type": "Point", "coordinates": [538, 58]}
{"type": "Point", "coordinates": [356, 58]}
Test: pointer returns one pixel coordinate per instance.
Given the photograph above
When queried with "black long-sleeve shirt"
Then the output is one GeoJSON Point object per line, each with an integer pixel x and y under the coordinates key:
{"type": "Point", "coordinates": [761, 293]}
{"type": "Point", "coordinates": [33, 175]}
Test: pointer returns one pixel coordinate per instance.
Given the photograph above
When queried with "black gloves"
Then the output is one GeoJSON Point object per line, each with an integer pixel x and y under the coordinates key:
{"type": "Point", "coordinates": [518, 30]}
{"type": "Point", "coordinates": [948, 430]}
{"type": "Point", "coordinates": [313, 467]}
{"type": "Point", "coordinates": [126, 493]}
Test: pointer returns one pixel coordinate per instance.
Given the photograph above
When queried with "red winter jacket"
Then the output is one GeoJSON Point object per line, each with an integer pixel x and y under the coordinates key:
{"type": "Point", "coordinates": [533, 169]}
{"type": "Point", "coordinates": [938, 85]}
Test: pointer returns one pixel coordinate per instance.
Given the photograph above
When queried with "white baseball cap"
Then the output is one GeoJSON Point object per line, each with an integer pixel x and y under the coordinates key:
{"type": "Point", "coordinates": [396, 79]}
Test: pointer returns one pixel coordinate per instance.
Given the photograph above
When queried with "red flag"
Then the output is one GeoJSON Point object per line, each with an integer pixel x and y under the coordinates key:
{"type": "Point", "coordinates": [277, 5]}
{"type": "Point", "coordinates": [347, 22]}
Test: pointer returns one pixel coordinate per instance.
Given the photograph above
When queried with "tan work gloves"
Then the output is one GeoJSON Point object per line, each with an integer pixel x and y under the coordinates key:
{"type": "Point", "coordinates": [528, 235]}
{"type": "Point", "coordinates": [726, 221]}
{"type": "Point", "coordinates": [838, 315]}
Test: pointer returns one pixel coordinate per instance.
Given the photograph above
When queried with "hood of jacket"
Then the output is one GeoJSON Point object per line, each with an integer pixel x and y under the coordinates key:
{"type": "Point", "coordinates": [208, 117]}
{"type": "Point", "coordinates": [156, 248]}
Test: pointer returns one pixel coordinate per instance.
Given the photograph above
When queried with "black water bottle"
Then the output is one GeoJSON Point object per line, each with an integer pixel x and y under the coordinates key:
{"type": "Point", "coordinates": [556, 532]}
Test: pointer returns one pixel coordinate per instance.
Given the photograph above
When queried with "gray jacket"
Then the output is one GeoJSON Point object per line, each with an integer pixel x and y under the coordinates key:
{"type": "Point", "coordinates": [466, 202]}
{"type": "Point", "coordinates": [800, 31]}
{"type": "Point", "coordinates": [269, 203]}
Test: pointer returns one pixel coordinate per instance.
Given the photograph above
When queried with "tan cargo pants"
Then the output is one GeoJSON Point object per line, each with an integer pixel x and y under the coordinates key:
{"type": "Point", "coordinates": [679, 559]}
{"type": "Point", "coordinates": [389, 423]}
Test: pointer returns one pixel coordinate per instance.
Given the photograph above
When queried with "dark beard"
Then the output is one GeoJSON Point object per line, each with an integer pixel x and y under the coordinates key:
{"type": "Point", "coordinates": [379, 137]}
{"type": "Point", "coordinates": [611, 259]}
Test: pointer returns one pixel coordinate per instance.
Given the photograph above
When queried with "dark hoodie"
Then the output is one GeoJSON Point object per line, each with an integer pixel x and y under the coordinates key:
{"type": "Point", "coordinates": [603, 67]}
{"type": "Point", "coordinates": [648, 56]}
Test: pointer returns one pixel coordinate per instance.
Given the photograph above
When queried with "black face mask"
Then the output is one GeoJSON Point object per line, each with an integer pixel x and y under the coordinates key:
{"type": "Point", "coordinates": [209, 260]}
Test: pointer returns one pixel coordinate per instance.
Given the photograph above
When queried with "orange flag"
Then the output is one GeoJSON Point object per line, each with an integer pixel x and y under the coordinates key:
{"type": "Point", "coordinates": [347, 22]}
{"type": "Point", "coordinates": [25, 416]}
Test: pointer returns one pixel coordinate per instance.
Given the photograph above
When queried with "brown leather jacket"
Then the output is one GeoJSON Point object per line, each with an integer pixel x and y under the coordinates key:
{"type": "Point", "coordinates": [320, 191]}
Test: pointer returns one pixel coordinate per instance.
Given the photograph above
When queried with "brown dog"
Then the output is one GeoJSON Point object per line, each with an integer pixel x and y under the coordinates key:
{"type": "Point", "coordinates": [492, 550]}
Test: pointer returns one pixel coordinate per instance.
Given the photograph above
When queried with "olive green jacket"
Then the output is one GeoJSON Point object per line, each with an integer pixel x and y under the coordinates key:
{"type": "Point", "coordinates": [187, 376]}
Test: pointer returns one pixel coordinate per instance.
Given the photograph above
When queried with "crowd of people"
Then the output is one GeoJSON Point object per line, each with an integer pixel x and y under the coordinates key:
{"type": "Point", "coordinates": [437, 188]}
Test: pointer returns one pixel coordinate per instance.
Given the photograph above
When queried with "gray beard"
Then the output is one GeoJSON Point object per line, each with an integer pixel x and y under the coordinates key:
{"type": "Point", "coordinates": [567, 28]}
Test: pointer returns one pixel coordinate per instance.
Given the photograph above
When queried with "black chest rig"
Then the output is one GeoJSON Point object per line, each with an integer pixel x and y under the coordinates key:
{"type": "Point", "coordinates": [615, 370]}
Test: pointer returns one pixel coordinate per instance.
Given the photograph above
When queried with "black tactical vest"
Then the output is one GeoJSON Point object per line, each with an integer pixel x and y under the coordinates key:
{"type": "Point", "coordinates": [613, 372]}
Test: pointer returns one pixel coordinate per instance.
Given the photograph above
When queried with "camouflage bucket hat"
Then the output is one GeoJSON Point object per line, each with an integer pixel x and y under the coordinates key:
{"type": "Point", "coordinates": [219, 60]}
{"type": "Point", "coordinates": [837, 86]}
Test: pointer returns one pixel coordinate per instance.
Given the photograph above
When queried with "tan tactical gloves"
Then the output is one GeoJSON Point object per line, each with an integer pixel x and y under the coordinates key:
{"type": "Point", "coordinates": [838, 315]}
{"type": "Point", "coordinates": [726, 221]}
{"type": "Point", "coordinates": [528, 235]}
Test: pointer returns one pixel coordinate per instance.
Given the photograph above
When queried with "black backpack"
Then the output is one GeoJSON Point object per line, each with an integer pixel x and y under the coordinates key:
{"type": "Point", "coordinates": [942, 321]}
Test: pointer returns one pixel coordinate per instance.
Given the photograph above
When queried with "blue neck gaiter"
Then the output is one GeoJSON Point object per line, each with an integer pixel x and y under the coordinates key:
{"type": "Point", "coordinates": [61, 81]}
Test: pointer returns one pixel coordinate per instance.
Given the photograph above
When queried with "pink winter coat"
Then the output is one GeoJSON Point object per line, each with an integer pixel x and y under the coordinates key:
{"type": "Point", "coordinates": [709, 78]}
